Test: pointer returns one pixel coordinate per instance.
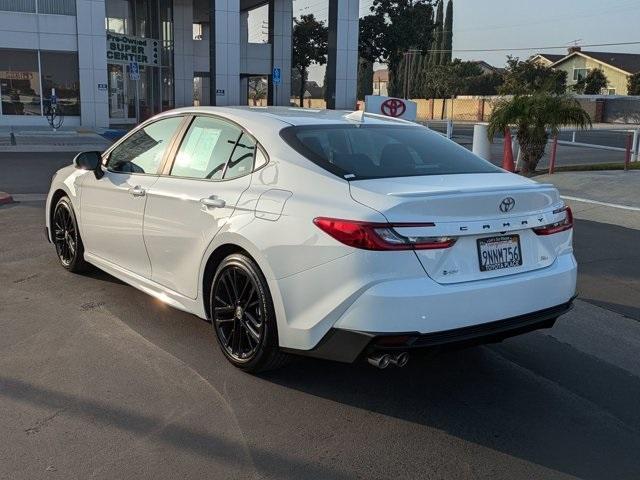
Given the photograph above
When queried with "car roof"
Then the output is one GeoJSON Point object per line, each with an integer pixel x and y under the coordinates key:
{"type": "Point", "coordinates": [294, 116]}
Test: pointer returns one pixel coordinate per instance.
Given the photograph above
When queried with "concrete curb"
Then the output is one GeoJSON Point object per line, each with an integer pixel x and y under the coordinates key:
{"type": "Point", "coordinates": [53, 148]}
{"type": "Point", "coordinates": [5, 198]}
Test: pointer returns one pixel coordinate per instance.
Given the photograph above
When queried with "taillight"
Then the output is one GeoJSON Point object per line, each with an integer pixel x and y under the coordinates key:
{"type": "Point", "coordinates": [379, 236]}
{"type": "Point", "coordinates": [557, 227]}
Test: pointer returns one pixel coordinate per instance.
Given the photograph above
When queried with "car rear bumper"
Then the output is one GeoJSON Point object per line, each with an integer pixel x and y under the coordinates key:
{"type": "Point", "coordinates": [347, 345]}
{"type": "Point", "coordinates": [418, 312]}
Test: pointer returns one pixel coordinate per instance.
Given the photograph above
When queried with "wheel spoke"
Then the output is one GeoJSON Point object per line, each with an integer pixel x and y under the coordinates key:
{"type": "Point", "coordinates": [237, 337]}
{"type": "Point", "coordinates": [247, 283]}
{"type": "Point", "coordinates": [224, 314]}
{"type": "Point", "coordinates": [252, 333]}
{"type": "Point", "coordinates": [252, 319]}
{"type": "Point", "coordinates": [224, 281]}
{"type": "Point", "coordinates": [250, 296]}
{"type": "Point", "coordinates": [234, 282]}
{"type": "Point", "coordinates": [251, 342]}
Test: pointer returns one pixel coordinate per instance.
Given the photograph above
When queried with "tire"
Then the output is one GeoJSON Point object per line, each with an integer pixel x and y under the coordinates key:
{"type": "Point", "coordinates": [66, 237]}
{"type": "Point", "coordinates": [243, 316]}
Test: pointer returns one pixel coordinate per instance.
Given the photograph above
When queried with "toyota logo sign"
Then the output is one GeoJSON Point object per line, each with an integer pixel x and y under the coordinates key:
{"type": "Point", "coordinates": [507, 204]}
{"type": "Point", "coordinates": [393, 107]}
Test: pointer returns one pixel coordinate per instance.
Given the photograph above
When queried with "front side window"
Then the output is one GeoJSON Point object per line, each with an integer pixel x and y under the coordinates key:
{"type": "Point", "coordinates": [144, 150]}
{"type": "Point", "coordinates": [381, 151]}
{"type": "Point", "coordinates": [206, 148]}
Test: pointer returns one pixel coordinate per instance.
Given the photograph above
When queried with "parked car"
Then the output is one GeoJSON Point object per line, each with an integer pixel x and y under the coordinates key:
{"type": "Point", "coordinates": [334, 235]}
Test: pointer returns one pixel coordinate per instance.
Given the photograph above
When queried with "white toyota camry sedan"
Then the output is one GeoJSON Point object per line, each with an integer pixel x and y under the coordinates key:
{"type": "Point", "coordinates": [329, 234]}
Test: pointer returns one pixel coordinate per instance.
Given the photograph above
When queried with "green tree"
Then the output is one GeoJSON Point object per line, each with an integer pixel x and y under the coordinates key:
{"type": "Point", "coordinates": [633, 84]}
{"type": "Point", "coordinates": [408, 24]}
{"type": "Point", "coordinates": [447, 36]}
{"type": "Point", "coordinates": [309, 45]}
{"type": "Point", "coordinates": [457, 78]}
{"type": "Point", "coordinates": [485, 84]}
{"type": "Point", "coordinates": [536, 117]}
{"type": "Point", "coordinates": [592, 83]}
{"type": "Point", "coordinates": [438, 33]}
{"type": "Point", "coordinates": [369, 50]}
{"type": "Point", "coordinates": [524, 77]}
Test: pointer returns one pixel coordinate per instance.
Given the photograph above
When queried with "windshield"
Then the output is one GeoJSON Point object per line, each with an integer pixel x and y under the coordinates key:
{"type": "Point", "coordinates": [381, 151]}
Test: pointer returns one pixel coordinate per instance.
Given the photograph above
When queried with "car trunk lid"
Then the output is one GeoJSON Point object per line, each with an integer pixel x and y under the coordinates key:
{"type": "Point", "coordinates": [490, 214]}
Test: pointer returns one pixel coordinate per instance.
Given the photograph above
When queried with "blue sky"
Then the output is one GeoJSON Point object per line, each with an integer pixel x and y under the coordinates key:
{"type": "Point", "coordinates": [511, 24]}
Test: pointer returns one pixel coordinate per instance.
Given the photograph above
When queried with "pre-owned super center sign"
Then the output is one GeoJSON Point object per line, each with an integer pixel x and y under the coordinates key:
{"type": "Point", "coordinates": [128, 49]}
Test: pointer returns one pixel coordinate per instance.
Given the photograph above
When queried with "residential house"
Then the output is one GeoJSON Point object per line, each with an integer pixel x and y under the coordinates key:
{"type": "Point", "coordinates": [617, 67]}
{"type": "Point", "coordinates": [547, 59]}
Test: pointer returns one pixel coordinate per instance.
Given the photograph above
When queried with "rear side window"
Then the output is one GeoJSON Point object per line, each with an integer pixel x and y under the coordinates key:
{"type": "Point", "coordinates": [144, 150]}
{"type": "Point", "coordinates": [381, 151]}
{"type": "Point", "coordinates": [241, 161]}
{"type": "Point", "coordinates": [206, 147]}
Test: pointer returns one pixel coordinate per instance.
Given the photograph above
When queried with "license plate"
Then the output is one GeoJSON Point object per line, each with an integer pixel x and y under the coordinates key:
{"type": "Point", "coordinates": [496, 253]}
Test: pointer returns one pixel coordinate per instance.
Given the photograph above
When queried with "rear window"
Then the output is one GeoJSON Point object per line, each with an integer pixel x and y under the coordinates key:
{"type": "Point", "coordinates": [381, 151]}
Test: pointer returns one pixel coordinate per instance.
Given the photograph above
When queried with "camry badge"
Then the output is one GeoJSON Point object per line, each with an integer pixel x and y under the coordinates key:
{"type": "Point", "coordinates": [507, 204]}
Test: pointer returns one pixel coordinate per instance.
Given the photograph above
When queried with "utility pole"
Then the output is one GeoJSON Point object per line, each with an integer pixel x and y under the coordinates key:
{"type": "Point", "coordinates": [408, 71]}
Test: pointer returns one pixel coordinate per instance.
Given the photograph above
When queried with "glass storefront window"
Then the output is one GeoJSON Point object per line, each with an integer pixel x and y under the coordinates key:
{"type": "Point", "coordinates": [19, 82]}
{"type": "Point", "coordinates": [60, 71]}
{"type": "Point", "coordinates": [27, 6]}
{"type": "Point", "coordinates": [119, 16]}
{"type": "Point", "coordinates": [135, 100]}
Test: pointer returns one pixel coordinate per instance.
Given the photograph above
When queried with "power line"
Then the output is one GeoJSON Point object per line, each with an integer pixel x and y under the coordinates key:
{"type": "Point", "coordinates": [463, 50]}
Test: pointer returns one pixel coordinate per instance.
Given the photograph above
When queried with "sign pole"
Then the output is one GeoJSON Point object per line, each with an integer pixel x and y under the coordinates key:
{"type": "Point", "coordinates": [137, 101]}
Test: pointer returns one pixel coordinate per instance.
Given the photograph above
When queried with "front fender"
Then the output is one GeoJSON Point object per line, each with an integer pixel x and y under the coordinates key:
{"type": "Point", "coordinates": [67, 180]}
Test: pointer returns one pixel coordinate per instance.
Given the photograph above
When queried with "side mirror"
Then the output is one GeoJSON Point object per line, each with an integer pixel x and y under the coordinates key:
{"type": "Point", "coordinates": [89, 161]}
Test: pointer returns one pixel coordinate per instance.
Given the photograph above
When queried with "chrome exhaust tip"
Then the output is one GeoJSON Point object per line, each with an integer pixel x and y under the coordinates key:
{"type": "Point", "coordinates": [400, 359]}
{"type": "Point", "coordinates": [380, 360]}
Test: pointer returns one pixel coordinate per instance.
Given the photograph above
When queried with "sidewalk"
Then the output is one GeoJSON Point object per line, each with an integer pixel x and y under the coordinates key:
{"type": "Point", "coordinates": [611, 197]}
{"type": "Point", "coordinates": [41, 139]}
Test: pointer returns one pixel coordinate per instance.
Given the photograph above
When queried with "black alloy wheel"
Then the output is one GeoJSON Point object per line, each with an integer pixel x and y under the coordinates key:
{"type": "Point", "coordinates": [243, 317]}
{"type": "Point", "coordinates": [66, 237]}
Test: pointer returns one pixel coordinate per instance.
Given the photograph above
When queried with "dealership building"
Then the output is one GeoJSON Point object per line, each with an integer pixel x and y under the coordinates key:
{"type": "Point", "coordinates": [117, 62]}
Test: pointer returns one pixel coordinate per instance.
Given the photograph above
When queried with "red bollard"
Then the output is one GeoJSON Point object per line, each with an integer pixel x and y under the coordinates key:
{"type": "Point", "coordinates": [507, 153]}
{"type": "Point", "coordinates": [627, 153]}
{"type": "Point", "coordinates": [554, 151]}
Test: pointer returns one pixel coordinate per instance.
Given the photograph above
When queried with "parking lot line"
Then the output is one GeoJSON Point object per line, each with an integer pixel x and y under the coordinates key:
{"type": "Point", "coordinates": [604, 204]}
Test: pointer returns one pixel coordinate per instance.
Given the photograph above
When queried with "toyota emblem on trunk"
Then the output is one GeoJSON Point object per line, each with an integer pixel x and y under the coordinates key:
{"type": "Point", "coordinates": [507, 204]}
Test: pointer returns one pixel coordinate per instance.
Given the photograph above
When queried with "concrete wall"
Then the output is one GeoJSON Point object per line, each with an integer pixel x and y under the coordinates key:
{"type": "Point", "coordinates": [342, 65]}
{"type": "Point", "coordinates": [622, 110]}
{"type": "Point", "coordinates": [183, 57]}
{"type": "Point", "coordinates": [257, 60]}
{"type": "Point", "coordinates": [280, 30]}
{"type": "Point", "coordinates": [227, 53]}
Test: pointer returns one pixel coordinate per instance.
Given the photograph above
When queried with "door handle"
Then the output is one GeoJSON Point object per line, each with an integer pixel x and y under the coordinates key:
{"type": "Point", "coordinates": [137, 191]}
{"type": "Point", "coordinates": [213, 202]}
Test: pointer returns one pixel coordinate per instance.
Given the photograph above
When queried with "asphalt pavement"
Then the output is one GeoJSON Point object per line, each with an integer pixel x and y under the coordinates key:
{"type": "Point", "coordinates": [98, 380]}
{"type": "Point", "coordinates": [566, 155]}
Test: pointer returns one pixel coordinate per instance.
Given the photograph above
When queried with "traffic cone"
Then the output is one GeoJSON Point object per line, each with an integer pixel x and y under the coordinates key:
{"type": "Point", "coordinates": [507, 153]}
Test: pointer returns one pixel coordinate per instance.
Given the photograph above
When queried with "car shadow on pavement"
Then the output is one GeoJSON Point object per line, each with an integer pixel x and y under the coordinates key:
{"type": "Point", "coordinates": [609, 266]}
{"type": "Point", "coordinates": [204, 444]}
{"type": "Point", "coordinates": [533, 398]}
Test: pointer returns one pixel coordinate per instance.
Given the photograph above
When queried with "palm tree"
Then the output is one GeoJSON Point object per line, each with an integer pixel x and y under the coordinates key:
{"type": "Point", "coordinates": [536, 118]}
